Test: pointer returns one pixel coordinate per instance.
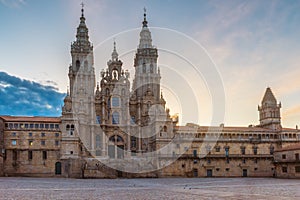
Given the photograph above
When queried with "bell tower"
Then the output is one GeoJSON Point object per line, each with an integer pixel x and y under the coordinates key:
{"type": "Point", "coordinates": [269, 112]}
{"type": "Point", "coordinates": [78, 112]}
{"type": "Point", "coordinates": [147, 105]}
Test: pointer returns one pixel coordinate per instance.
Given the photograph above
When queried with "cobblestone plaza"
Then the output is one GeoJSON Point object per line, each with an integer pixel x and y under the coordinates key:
{"type": "Point", "coordinates": [164, 188]}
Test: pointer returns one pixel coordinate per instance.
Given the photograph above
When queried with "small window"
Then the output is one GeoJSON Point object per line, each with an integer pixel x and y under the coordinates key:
{"type": "Point", "coordinates": [255, 150]}
{"type": "Point", "coordinates": [16, 126]}
{"type": "Point", "coordinates": [46, 126]}
{"type": "Point", "coordinates": [98, 119]}
{"type": "Point", "coordinates": [208, 161]}
{"type": "Point", "coordinates": [56, 142]}
{"type": "Point", "coordinates": [243, 150]}
{"type": "Point", "coordinates": [283, 156]}
{"type": "Point", "coordinates": [29, 155]}
{"type": "Point", "coordinates": [115, 118]}
{"type": "Point", "coordinates": [296, 156]}
{"type": "Point", "coordinates": [227, 169]}
{"type": "Point", "coordinates": [183, 165]}
{"type": "Point", "coordinates": [297, 169]}
{"type": "Point", "coordinates": [71, 152]}
{"type": "Point", "coordinates": [31, 125]}
{"type": "Point", "coordinates": [218, 148]}
{"type": "Point", "coordinates": [51, 126]}
{"type": "Point", "coordinates": [227, 161]}
{"type": "Point", "coordinates": [56, 126]}
{"type": "Point", "coordinates": [284, 169]}
{"type": "Point", "coordinates": [41, 125]}
{"type": "Point", "coordinates": [13, 134]}
{"type": "Point", "coordinates": [255, 169]}
{"type": "Point", "coordinates": [30, 142]}
{"type": "Point", "coordinates": [36, 125]}
{"type": "Point", "coordinates": [14, 142]}
{"type": "Point", "coordinates": [244, 161]}
{"type": "Point", "coordinates": [56, 134]}
{"type": "Point", "coordinates": [30, 134]}
{"type": "Point", "coordinates": [255, 161]}
{"type": "Point", "coordinates": [217, 169]}
{"type": "Point", "coordinates": [43, 134]}
{"type": "Point", "coordinates": [44, 155]}
{"type": "Point", "coordinates": [26, 126]}
{"type": "Point", "coordinates": [43, 142]}
{"type": "Point", "coordinates": [15, 155]}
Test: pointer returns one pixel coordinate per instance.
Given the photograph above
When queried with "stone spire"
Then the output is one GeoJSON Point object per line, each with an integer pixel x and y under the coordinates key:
{"type": "Point", "coordinates": [145, 34]}
{"type": "Point", "coordinates": [82, 42]}
{"type": "Point", "coordinates": [114, 55]}
{"type": "Point", "coordinates": [269, 98]}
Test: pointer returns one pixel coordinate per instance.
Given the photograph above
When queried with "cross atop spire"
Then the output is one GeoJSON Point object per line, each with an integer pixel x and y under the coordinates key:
{"type": "Point", "coordinates": [145, 20]}
{"type": "Point", "coordinates": [82, 10]}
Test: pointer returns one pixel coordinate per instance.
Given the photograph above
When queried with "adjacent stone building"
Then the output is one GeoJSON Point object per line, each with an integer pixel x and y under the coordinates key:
{"type": "Point", "coordinates": [287, 162]}
{"type": "Point", "coordinates": [114, 129]}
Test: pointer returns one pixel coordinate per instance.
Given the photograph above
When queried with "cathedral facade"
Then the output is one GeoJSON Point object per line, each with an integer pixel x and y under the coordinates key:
{"type": "Point", "coordinates": [115, 129]}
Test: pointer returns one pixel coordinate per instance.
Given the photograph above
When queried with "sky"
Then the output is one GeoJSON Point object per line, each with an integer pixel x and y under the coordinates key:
{"type": "Point", "coordinates": [206, 49]}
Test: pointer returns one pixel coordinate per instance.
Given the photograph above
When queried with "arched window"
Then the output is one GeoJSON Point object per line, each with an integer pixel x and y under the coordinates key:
{"type": "Point", "coordinates": [77, 65]}
{"type": "Point", "coordinates": [72, 127]}
{"type": "Point", "coordinates": [144, 68]}
{"type": "Point", "coordinates": [119, 139]}
{"type": "Point", "coordinates": [98, 141]}
{"type": "Point", "coordinates": [165, 129]}
{"type": "Point", "coordinates": [86, 65]}
{"type": "Point", "coordinates": [151, 68]}
{"type": "Point", "coordinates": [115, 118]}
{"type": "Point", "coordinates": [68, 127]}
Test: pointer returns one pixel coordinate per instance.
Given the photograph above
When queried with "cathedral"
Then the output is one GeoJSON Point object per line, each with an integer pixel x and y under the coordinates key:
{"type": "Point", "coordinates": [121, 129]}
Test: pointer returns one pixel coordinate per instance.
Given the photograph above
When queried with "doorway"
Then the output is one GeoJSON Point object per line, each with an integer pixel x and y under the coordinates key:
{"type": "Point", "coordinates": [58, 168]}
{"type": "Point", "coordinates": [209, 173]}
{"type": "Point", "coordinates": [245, 172]}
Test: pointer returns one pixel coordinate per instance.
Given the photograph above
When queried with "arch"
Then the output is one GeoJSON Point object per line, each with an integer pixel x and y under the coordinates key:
{"type": "Point", "coordinates": [115, 118]}
{"type": "Point", "coordinates": [67, 127]}
{"type": "Point", "coordinates": [72, 127]}
{"type": "Point", "coordinates": [58, 168]}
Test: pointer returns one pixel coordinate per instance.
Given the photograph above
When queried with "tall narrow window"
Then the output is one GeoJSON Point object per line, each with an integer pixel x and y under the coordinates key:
{"type": "Point", "coordinates": [29, 155]}
{"type": "Point", "coordinates": [44, 155]}
{"type": "Point", "coordinates": [77, 65]}
{"type": "Point", "coordinates": [115, 118]}
{"type": "Point", "coordinates": [15, 155]}
{"type": "Point", "coordinates": [226, 151]}
{"type": "Point", "coordinates": [255, 150]}
{"type": "Point", "coordinates": [243, 150]}
{"type": "Point", "coordinates": [98, 141]}
{"type": "Point", "coordinates": [98, 119]}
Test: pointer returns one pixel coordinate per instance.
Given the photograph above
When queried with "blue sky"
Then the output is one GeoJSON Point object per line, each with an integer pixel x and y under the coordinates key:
{"type": "Point", "coordinates": [255, 44]}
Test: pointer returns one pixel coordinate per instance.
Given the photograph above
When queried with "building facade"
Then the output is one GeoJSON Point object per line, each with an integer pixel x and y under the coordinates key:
{"type": "Point", "coordinates": [115, 129]}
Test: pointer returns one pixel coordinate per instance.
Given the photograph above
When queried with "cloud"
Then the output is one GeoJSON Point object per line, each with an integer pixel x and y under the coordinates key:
{"type": "Point", "coordinates": [13, 3]}
{"type": "Point", "coordinates": [24, 97]}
